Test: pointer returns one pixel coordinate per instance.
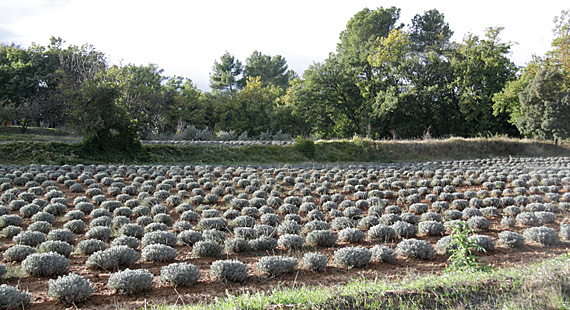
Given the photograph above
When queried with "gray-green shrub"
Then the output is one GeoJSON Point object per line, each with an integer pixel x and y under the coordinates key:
{"type": "Point", "coordinates": [57, 246]}
{"type": "Point", "coordinates": [383, 254]}
{"type": "Point", "coordinates": [31, 238]}
{"type": "Point", "coordinates": [511, 239]}
{"type": "Point", "coordinates": [290, 241]}
{"type": "Point", "coordinates": [315, 262]}
{"type": "Point", "coordinates": [180, 274]}
{"type": "Point", "coordinates": [206, 249]}
{"type": "Point", "coordinates": [13, 298]}
{"type": "Point", "coordinates": [261, 244]}
{"type": "Point", "coordinates": [70, 289]}
{"type": "Point", "coordinates": [544, 235]}
{"type": "Point", "coordinates": [276, 265]}
{"type": "Point", "coordinates": [485, 242]}
{"type": "Point", "coordinates": [404, 229]}
{"type": "Point", "coordinates": [158, 253]}
{"type": "Point", "coordinates": [431, 228]}
{"type": "Point", "coordinates": [478, 223]}
{"type": "Point", "coordinates": [18, 253]}
{"type": "Point", "coordinates": [324, 238]}
{"type": "Point", "coordinates": [236, 245]}
{"type": "Point", "coordinates": [352, 257]}
{"type": "Point", "coordinates": [189, 237]}
{"type": "Point", "coordinates": [131, 282]}
{"type": "Point", "coordinates": [46, 264]}
{"type": "Point", "coordinates": [229, 270]}
{"type": "Point", "coordinates": [414, 248]}
{"type": "Point", "coordinates": [90, 246]}
{"type": "Point", "coordinates": [131, 242]}
{"type": "Point", "coordinates": [351, 235]}
{"type": "Point", "coordinates": [162, 237]}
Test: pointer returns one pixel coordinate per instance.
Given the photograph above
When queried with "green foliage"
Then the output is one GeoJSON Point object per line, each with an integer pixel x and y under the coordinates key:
{"type": "Point", "coordinates": [430, 31]}
{"type": "Point", "coordinates": [462, 247]}
{"type": "Point", "coordinates": [226, 75]}
{"type": "Point", "coordinates": [305, 146]}
{"type": "Point", "coordinates": [270, 69]}
{"type": "Point", "coordinates": [543, 106]}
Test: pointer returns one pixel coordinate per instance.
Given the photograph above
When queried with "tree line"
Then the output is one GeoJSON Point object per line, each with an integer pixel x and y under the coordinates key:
{"type": "Point", "coordinates": [385, 80]}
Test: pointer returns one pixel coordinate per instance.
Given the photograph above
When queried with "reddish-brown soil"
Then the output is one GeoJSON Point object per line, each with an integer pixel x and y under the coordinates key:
{"type": "Point", "coordinates": [206, 289]}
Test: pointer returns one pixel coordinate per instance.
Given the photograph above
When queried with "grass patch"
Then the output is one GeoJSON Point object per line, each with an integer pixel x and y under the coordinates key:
{"type": "Point", "coordinates": [543, 285]}
{"type": "Point", "coordinates": [319, 152]}
{"type": "Point", "coordinates": [34, 131]}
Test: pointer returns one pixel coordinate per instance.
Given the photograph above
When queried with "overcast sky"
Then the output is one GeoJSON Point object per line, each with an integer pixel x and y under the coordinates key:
{"type": "Point", "coordinates": [186, 37]}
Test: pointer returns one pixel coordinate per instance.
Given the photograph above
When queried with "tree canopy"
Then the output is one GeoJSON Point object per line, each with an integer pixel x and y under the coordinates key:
{"type": "Point", "coordinates": [385, 79]}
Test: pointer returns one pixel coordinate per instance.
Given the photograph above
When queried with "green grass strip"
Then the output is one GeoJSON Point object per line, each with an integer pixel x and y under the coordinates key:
{"type": "Point", "coordinates": [542, 285]}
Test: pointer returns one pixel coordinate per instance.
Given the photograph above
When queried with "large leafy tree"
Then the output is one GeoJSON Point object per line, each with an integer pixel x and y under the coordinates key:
{"type": "Point", "coordinates": [545, 106]}
{"type": "Point", "coordinates": [482, 68]}
{"type": "Point", "coordinates": [415, 98]}
{"type": "Point", "coordinates": [295, 116]}
{"type": "Point", "coordinates": [336, 98]}
{"type": "Point", "coordinates": [25, 76]}
{"type": "Point", "coordinates": [508, 100]}
{"type": "Point", "coordinates": [270, 69]}
{"type": "Point", "coordinates": [226, 75]}
{"type": "Point", "coordinates": [339, 91]}
{"type": "Point", "coordinates": [186, 105]}
{"type": "Point", "coordinates": [91, 98]}
{"type": "Point", "coordinates": [141, 95]}
{"type": "Point", "coordinates": [430, 31]}
{"type": "Point", "coordinates": [248, 110]}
